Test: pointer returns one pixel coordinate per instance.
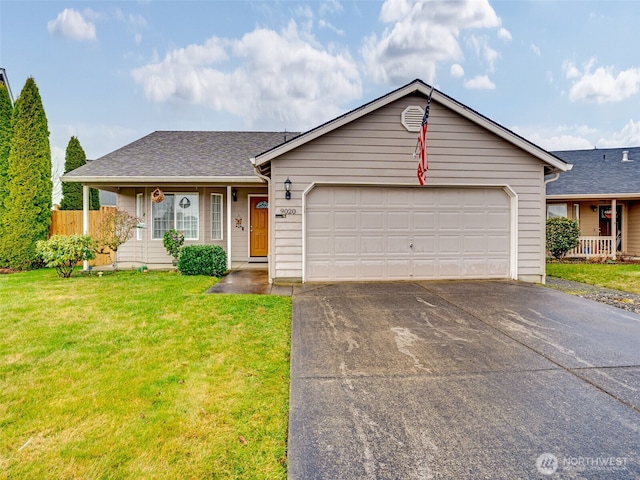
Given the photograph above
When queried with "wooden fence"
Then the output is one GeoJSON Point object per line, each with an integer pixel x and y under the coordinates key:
{"type": "Point", "coordinates": [69, 222]}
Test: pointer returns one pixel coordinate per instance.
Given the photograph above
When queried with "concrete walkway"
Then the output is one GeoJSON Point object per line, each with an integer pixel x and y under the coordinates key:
{"type": "Point", "coordinates": [482, 380]}
{"type": "Point", "coordinates": [249, 281]}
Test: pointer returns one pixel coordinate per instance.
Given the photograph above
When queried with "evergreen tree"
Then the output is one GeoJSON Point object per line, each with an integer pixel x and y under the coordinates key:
{"type": "Point", "coordinates": [28, 204]}
{"type": "Point", "coordinates": [6, 110]}
{"type": "Point", "coordinates": [72, 192]}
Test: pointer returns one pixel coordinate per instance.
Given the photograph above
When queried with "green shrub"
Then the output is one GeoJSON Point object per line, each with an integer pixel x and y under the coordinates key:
{"type": "Point", "coordinates": [63, 253]}
{"type": "Point", "coordinates": [173, 241]}
{"type": "Point", "coordinates": [562, 235]}
{"type": "Point", "coordinates": [203, 260]}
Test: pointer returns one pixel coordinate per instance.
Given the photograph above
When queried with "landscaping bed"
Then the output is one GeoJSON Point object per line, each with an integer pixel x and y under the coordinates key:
{"type": "Point", "coordinates": [616, 284]}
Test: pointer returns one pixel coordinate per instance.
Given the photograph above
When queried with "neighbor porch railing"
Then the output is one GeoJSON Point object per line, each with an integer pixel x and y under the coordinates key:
{"type": "Point", "coordinates": [593, 247]}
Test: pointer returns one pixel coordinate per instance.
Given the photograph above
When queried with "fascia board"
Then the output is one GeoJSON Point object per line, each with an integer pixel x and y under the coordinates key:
{"type": "Point", "coordinates": [155, 180]}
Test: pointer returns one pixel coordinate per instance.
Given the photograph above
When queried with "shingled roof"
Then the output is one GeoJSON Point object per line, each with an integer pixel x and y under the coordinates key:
{"type": "Point", "coordinates": [598, 172]}
{"type": "Point", "coordinates": [202, 155]}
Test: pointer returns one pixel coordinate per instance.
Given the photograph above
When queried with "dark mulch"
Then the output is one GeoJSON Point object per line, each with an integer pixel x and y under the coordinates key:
{"type": "Point", "coordinates": [617, 298]}
{"type": "Point", "coordinates": [6, 271]}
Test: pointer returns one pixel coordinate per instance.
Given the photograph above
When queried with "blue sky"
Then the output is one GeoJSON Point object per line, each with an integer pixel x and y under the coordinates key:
{"type": "Point", "coordinates": [566, 75]}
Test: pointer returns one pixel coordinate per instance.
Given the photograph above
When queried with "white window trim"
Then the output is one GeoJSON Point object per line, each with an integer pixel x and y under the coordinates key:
{"type": "Point", "coordinates": [221, 196]}
{"type": "Point", "coordinates": [175, 196]}
{"type": "Point", "coordinates": [139, 214]}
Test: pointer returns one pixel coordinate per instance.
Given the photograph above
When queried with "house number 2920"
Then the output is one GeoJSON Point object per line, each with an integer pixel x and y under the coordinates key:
{"type": "Point", "coordinates": [288, 211]}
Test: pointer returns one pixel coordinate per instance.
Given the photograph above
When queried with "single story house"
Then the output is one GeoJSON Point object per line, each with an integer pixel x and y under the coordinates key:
{"type": "Point", "coordinates": [342, 202]}
{"type": "Point", "coordinates": [602, 192]}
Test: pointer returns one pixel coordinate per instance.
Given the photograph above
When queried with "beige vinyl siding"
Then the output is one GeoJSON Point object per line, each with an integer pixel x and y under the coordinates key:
{"type": "Point", "coordinates": [632, 246]}
{"type": "Point", "coordinates": [377, 149]}
{"type": "Point", "coordinates": [152, 251]}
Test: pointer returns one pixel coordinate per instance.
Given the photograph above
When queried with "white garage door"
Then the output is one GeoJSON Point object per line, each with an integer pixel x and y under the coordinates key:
{"type": "Point", "coordinates": [401, 233]}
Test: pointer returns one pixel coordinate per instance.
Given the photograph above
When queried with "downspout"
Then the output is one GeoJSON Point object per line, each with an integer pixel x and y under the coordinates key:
{"type": "Point", "coordinates": [268, 181]}
{"type": "Point", "coordinates": [555, 177]}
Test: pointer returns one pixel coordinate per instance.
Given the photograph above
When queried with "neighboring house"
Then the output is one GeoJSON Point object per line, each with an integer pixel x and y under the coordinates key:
{"type": "Point", "coordinates": [602, 192]}
{"type": "Point", "coordinates": [355, 210]}
{"type": "Point", "coordinates": [4, 80]}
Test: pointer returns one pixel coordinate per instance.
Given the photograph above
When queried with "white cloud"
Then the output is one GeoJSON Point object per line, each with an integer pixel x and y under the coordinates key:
{"type": "Point", "coordinates": [419, 34]}
{"type": "Point", "coordinates": [535, 49]}
{"type": "Point", "coordinates": [480, 82]}
{"type": "Point", "coordinates": [71, 23]}
{"type": "Point", "coordinates": [580, 137]}
{"type": "Point", "coordinates": [276, 78]}
{"type": "Point", "coordinates": [330, 6]}
{"type": "Point", "coordinates": [329, 26]}
{"type": "Point", "coordinates": [480, 45]}
{"type": "Point", "coordinates": [504, 34]}
{"type": "Point", "coordinates": [456, 70]}
{"type": "Point", "coordinates": [602, 85]}
{"type": "Point", "coordinates": [629, 136]}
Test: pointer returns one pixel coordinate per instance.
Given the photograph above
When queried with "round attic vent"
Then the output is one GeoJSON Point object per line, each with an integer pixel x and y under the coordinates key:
{"type": "Point", "coordinates": [411, 118]}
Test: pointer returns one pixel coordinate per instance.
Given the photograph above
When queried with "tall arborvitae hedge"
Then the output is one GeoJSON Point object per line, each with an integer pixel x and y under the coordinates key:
{"type": "Point", "coordinates": [28, 203]}
{"type": "Point", "coordinates": [72, 192]}
{"type": "Point", "coordinates": [6, 109]}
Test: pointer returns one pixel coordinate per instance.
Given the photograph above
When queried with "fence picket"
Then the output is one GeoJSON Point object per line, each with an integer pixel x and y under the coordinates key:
{"type": "Point", "coordinates": [69, 222]}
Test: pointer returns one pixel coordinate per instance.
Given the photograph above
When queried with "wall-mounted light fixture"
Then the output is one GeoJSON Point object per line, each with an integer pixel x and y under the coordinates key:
{"type": "Point", "coordinates": [234, 194]}
{"type": "Point", "coordinates": [287, 189]}
{"type": "Point", "coordinates": [594, 208]}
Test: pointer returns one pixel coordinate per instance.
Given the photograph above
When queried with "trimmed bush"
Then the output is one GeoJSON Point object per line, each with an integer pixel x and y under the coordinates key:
{"type": "Point", "coordinates": [562, 235]}
{"type": "Point", "coordinates": [208, 260]}
{"type": "Point", "coordinates": [173, 241]}
{"type": "Point", "coordinates": [64, 252]}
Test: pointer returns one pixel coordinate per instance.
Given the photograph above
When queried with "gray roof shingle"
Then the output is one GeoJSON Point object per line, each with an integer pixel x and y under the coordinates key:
{"type": "Point", "coordinates": [597, 172]}
{"type": "Point", "coordinates": [188, 154]}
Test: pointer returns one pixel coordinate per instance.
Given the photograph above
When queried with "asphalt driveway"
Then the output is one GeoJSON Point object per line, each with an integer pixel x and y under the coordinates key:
{"type": "Point", "coordinates": [461, 380]}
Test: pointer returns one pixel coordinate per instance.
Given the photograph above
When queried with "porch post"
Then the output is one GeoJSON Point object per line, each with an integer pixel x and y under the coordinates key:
{"type": "Point", "coordinates": [614, 228]}
{"type": "Point", "coordinates": [229, 199]}
{"type": "Point", "coordinates": [85, 218]}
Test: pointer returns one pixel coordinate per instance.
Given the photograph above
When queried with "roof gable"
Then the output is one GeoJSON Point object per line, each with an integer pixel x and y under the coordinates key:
{"type": "Point", "coordinates": [552, 162]}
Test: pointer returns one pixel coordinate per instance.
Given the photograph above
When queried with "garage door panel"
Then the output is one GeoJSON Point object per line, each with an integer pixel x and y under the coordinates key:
{"type": "Point", "coordinates": [449, 220]}
{"type": "Point", "coordinates": [372, 244]}
{"type": "Point", "coordinates": [345, 245]}
{"type": "Point", "coordinates": [372, 221]}
{"type": "Point", "coordinates": [398, 220]}
{"type": "Point", "coordinates": [424, 221]}
{"type": "Point", "coordinates": [475, 244]}
{"type": "Point", "coordinates": [320, 244]}
{"type": "Point", "coordinates": [395, 233]}
{"type": "Point", "coordinates": [424, 244]}
{"type": "Point", "coordinates": [449, 244]}
{"type": "Point", "coordinates": [398, 269]}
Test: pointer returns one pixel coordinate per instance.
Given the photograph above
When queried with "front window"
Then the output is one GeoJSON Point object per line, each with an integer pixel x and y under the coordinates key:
{"type": "Point", "coordinates": [179, 211]}
{"type": "Point", "coordinates": [557, 210]}
{"type": "Point", "coordinates": [216, 216]}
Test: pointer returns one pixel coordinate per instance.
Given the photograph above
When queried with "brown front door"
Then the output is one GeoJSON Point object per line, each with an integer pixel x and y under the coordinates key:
{"type": "Point", "coordinates": [259, 227]}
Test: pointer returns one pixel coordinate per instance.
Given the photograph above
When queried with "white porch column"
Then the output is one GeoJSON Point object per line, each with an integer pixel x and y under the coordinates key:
{"type": "Point", "coordinates": [85, 218]}
{"type": "Point", "coordinates": [229, 200]}
{"type": "Point", "coordinates": [614, 228]}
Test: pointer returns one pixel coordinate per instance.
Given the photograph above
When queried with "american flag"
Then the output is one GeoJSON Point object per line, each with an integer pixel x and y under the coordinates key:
{"type": "Point", "coordinates": [423, 165]}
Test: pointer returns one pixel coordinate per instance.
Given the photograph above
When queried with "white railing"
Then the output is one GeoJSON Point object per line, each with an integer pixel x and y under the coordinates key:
{"type": "Point", "coordinates": [592, 247]}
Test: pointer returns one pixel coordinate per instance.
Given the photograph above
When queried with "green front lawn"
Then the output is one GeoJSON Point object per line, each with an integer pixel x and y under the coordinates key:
{"type": "Point", "coordinates": [138, 375]}
{"type": "Point", "coordinates": [624, 277]}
